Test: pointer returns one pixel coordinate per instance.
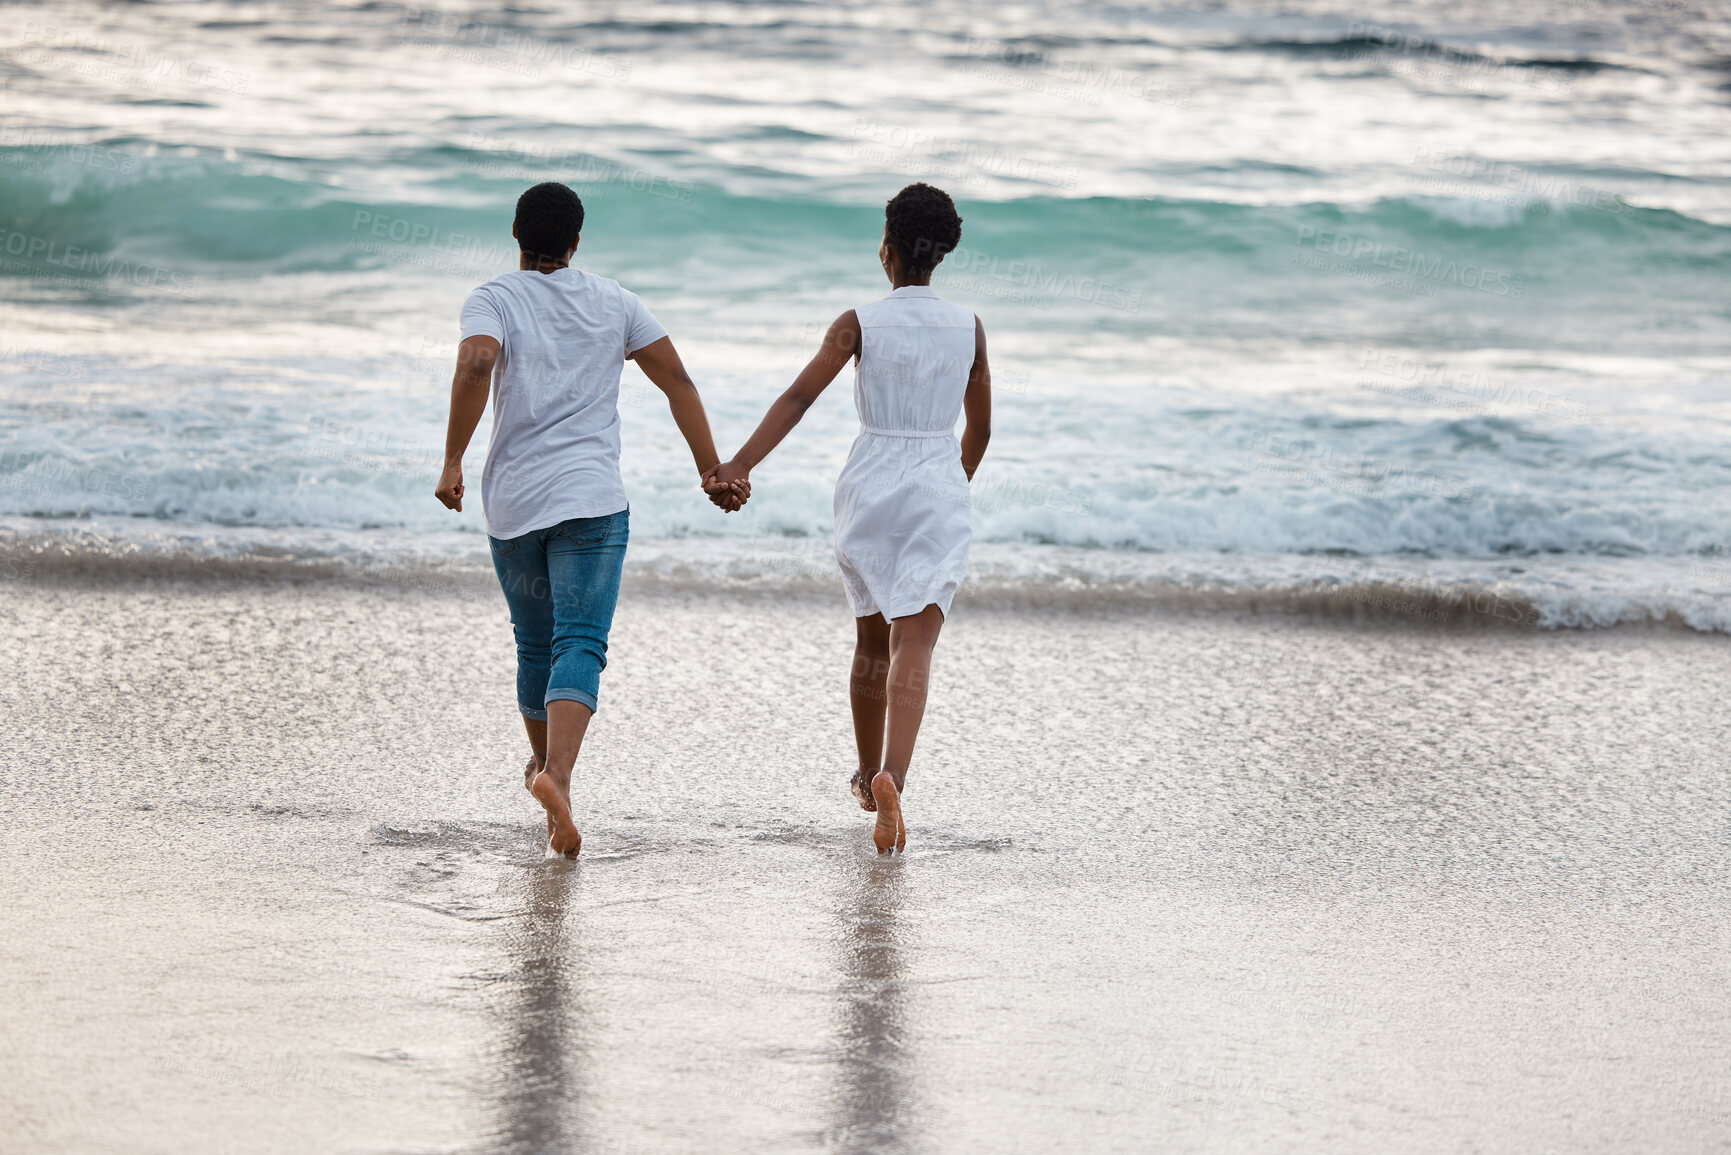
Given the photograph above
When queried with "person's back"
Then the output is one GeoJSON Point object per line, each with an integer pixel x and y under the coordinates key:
{"type": "Point", "coordinates": [901, 502]}
{"type": "Point", "coordinates": [916, 352]}
{"type": "Point", "coordinates": [563, 340]}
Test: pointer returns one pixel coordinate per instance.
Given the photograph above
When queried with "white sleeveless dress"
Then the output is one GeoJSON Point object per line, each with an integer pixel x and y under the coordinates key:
{"type": "Point", "coordinates": [902, 521]}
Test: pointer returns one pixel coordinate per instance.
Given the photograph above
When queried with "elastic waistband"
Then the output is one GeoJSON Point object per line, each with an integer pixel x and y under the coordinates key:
{"type": "Point", "coordinates": [907, 432]}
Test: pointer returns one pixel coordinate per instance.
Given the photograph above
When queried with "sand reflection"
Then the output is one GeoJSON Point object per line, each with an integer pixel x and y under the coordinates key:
{"type": "Point", "coordinates": [542, 1061]}
{"type": "Point", "coordinates": [874, 1096]}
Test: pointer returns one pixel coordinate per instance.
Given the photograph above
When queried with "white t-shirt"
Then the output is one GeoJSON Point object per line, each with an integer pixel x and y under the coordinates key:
{"type": "Point", "coordinates": [563, 339]}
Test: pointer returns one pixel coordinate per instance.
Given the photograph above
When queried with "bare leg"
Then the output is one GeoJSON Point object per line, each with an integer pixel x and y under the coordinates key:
{"type": "Point", "coordinates": [911, 642]}
{"type": "Point", "coordinates": [537, 760]}
{"type": "Point", "coordinates": [867, 694]}
{"type": "Point", "coordinates": [537, 739]}
{"type": "Point", "coordinates": [567, 722]}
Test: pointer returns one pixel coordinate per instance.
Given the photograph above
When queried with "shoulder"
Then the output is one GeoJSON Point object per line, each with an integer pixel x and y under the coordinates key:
{"type": "Point", "coordinates": [513, 279]}
{"type": "Point", "coordinates": [608, 289]}
{"type": "Point", "coordinates": [959, 316]}
{"type": "Point", "coordinates": [585, 281]}
{"type": "Point", "coordinates": [488, 308]}
{"type": "Point", "coordinates": [872, 311]}
{"type": "Point", "coordinates": [848, 322]}
{"type": "Point", "coordinates": [500, 286]}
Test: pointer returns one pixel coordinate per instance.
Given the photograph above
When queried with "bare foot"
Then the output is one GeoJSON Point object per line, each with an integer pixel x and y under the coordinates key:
{"type": "Point", "coordinates": [888, 833]}
{"type": "Point", "coordinates": [562, 836]}
{"type": "Point", "coordinates": [860, 787]}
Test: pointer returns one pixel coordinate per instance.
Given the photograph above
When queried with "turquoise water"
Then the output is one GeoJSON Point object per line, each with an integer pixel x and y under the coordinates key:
{"type": "Point", "coordinates": [1276, 301]}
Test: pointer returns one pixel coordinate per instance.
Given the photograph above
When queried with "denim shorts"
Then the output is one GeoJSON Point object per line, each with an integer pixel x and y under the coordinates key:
{"type": "Point", "coordinates": [562, 584]}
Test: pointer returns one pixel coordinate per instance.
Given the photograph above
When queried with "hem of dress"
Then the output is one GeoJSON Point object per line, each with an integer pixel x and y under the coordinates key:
{"type": "Point", "coordinates": [943, 599]}
{"type": "Point", "coordinates": [943, 604]}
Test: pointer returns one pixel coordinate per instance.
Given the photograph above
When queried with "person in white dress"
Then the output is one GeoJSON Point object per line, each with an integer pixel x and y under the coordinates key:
{"type": "Point", "coordinates": [901, 503]}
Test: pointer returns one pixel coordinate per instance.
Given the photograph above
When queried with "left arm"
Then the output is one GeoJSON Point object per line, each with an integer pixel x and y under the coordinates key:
{"type": "Point", "coordinates": [840, 345]}
{"type": "Point", "coordinates": [977, 405]}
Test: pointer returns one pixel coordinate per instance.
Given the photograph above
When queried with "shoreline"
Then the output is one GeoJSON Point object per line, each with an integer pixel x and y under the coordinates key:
{"type": "Point", "coordinates": [1546, 593]}
{"type": "Point", "coordinates": [1379, 603]}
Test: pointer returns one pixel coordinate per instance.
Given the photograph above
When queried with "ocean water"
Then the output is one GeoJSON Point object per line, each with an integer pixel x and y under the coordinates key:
{"type": "Point", "coordinates": [1425, 307]}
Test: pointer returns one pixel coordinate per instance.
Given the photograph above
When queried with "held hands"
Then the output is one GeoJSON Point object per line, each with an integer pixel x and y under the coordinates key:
{"type": "Point", "coordinates": [728, 486]}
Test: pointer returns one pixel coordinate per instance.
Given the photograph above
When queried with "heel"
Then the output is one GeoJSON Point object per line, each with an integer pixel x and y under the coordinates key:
{"type": "Point", "coordinates": [888, 833]}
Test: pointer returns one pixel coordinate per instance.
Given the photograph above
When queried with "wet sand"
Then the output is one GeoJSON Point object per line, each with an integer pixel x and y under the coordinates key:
{"type": "Point", "coordinates": [271, 882]}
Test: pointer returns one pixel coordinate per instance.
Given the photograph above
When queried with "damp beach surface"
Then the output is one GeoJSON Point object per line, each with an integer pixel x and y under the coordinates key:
{"type": "Point", "coordinates": [1180, 883]}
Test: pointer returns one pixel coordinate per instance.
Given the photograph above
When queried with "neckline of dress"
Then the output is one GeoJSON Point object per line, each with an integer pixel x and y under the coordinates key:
{"type": "Point", "coordinates": [914, 291]}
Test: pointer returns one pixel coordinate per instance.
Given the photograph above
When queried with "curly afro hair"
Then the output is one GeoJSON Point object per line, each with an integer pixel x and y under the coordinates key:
{"type": "Point", "coordinates": [549, 217]}
{"type": "Point", "coordinates": [922, 225]}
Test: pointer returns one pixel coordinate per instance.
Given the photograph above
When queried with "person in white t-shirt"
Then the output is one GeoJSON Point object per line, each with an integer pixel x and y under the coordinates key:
{"type": "Point", "coordinates": [548, 343]}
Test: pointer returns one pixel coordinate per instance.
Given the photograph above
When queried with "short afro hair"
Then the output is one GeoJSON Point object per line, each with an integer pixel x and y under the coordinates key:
{"type": "Point", "coordinates": [549, 217]}
{"type": "Point", "coordinates": [922, 225]}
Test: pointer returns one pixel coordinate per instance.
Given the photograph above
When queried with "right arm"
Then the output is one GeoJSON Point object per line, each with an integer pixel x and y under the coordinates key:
{"type": "Point", "coordinates": [840, 345]}
{"type": "Point", "coordinates": [469, 387]}
{"type": "Point", "coordinates": [977, 405]}
{"type": "Point", "coordinates": [660, 362]}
